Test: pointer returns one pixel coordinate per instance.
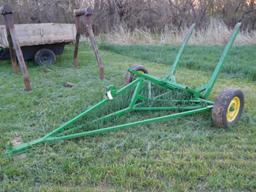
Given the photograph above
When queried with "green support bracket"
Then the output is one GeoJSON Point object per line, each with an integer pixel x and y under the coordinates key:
{"type": "Point", "coordinates": [171, 76]}
{"type": "Point", "coordinates": [209, 86]}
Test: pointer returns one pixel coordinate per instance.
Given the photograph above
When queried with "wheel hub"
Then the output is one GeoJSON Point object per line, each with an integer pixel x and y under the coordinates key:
{"type": "Point", "coordinates": [233, 109]}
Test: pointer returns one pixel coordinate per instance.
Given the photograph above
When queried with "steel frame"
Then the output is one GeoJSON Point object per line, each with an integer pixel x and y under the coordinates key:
{"type": "Point", "coordinates": [198, 103]}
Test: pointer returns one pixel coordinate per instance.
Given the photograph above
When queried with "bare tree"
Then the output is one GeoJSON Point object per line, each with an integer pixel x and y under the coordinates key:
{"type": "Point", "coordinates": [153, 15]}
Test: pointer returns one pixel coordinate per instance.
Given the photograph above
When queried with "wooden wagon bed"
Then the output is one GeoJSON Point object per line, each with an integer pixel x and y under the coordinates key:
{"type": "Point", "coordinates": [40, 34]}
{"type": "Point", "coordinates": [43, 38]}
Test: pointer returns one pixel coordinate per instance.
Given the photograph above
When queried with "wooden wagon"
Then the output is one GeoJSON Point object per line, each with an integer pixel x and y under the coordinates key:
{"type": "Point", "coordinates": [41, 42]}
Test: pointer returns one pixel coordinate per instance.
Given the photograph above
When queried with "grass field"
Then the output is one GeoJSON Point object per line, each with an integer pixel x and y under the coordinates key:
{"type": "Point", "coordinates": [187, 154]}
{"type": "Point", "coordinates": [239, 63]}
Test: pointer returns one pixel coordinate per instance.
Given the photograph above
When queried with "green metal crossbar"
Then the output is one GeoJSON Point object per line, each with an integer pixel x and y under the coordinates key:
{"type": "Point", "coordinates": [210, 84]}
{"type": "Point", "coordinates": [146, 93]}
{"type": "Point", "coordinates": [182, 48]}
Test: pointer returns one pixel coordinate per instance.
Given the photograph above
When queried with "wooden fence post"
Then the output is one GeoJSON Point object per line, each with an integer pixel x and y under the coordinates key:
{"type": "Point", "coordinates": [14, 47]}
{"type": "Point", "coordinates": [88, 23]}
{"type": "Point", "coordinates": [78, 35]}
{"type": "Point", "coordinates": [86, 15]}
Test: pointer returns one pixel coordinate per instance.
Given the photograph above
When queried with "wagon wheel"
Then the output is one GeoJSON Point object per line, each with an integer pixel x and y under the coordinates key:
{"type": "Point", "coordinates": [45, 57]}
{"type": "Point", "coordinates": [1, 52]}
{"type": "Point", "coordinates": [4, 54]}
{"type": "Point", "coordinates": [129, 77]}
{"type": "Point", "coordinates": [228, 108]}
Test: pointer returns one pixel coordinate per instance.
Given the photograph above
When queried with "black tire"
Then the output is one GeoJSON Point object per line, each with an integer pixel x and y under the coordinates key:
{"type": "Point", "coordinates": [45, 57]}
{"type": "Point", "coordinates": [226, 110]}
{"type": "Point", "coordinates": [129, 77]}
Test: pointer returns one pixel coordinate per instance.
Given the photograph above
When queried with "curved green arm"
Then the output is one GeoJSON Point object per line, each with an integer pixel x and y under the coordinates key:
{"type": "Point", "coordinates": [181, 50]}
{"type": "Point", "coordinates": [209, 86]}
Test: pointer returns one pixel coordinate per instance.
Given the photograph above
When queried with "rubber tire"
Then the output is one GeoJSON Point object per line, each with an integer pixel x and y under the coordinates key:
{"type": "Point", "coordinates": [221, 105]}
{"type": "Point", "coordinates": [45, 57]}
{"type": "Point", "coordinates": [129, 77]}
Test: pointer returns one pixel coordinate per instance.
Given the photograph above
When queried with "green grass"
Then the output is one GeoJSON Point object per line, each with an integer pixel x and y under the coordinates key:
{"type": "Point", "coordinates": [239, 63]}
{"type": "Point", "coordinates": [187, 154]}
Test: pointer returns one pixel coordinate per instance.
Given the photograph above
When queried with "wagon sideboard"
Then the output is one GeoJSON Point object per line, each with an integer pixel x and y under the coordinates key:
{"type": "Point", "coordinates": [40, 34]}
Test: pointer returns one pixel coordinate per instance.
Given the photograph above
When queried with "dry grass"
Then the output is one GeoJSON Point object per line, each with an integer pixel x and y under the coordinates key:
{"type": "Point", "coordinates": [217, 33]}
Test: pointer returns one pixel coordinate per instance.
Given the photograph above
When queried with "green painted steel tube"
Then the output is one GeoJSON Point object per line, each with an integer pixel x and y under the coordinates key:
{"type": "Point", "coordinates": [128, 125]}
{"type": "Point", "coordinates": [181, 50]}
{"type": "Point", "coordinates": [117, 113]}
{"type": "Point", "coordinates": [22, 147]}
{"type": "Point", "coordinates": [70, 122]}
{"type": "Point", "coordinates": [167, 108]}
{"type": "Point", "coordinates": [165, 83]}
{"type": "Point", "coordinates": [158, 81]}
{"type": "Point", "coordinates": [210, 84]}
{"type": "Point", "coordinates": [127, 86]}
{"type": "Point", "coordinates": [25, 146]}
{"type": "Point", "coordinates": [136, 93]}
{"type": "Point", "coordinates": [17, 149]}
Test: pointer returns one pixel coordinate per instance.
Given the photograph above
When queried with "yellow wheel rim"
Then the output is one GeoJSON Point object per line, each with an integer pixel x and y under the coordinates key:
{"type": "Point", "coordinates": [233, 109]}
